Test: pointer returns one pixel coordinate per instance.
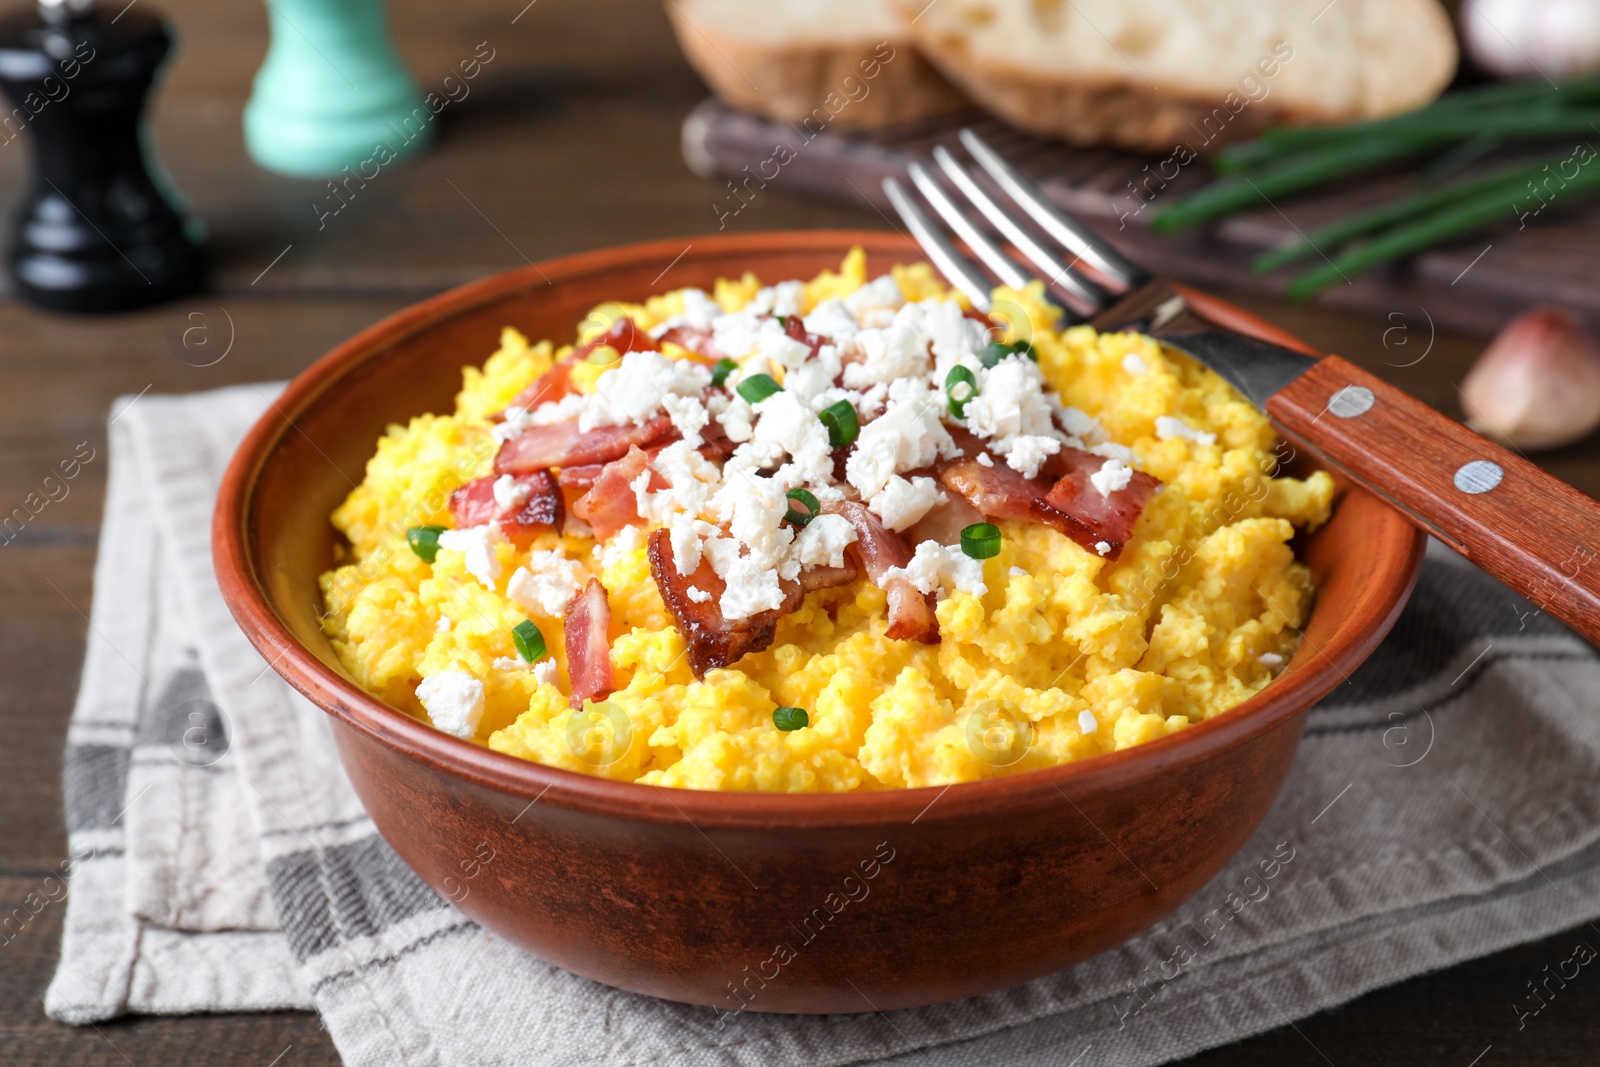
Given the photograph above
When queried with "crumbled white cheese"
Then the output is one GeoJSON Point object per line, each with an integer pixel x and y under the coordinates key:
{"type": "Point", "coordinates": [814, 377]}
{"type": "Point", "coordinates": [953, 337]}
{"type": "Point", "coordinates": [735, 335]}
{"type": "Point", "coordinates": [686, 534]}
{"type": "Point", "coordinates": [547, 584]}
{"type": "Point", "coordinates": [477, 547]}
{"type": "Point", "coordinates": [909, 435]}
{"type": "Point", "coordinates": [903, 501]}
{"type": "Point", "coordinates": [751, 589]}
{"type": "Point", "coordinates": [1013, 403]}
{"type": "Point", "coordinates": [696, 594]}
{"type": "Point", "coordinates": [510, 663]}
{"type": "Point", "coordinates": [890, 354]}
{"type": "Point", "coordinates": [688, 415]}
{"type": "Point", "coordinates": [1270, 660]}
{"type": "Point", "coordinates": [443, 625]}
{"type": "Point", "coordinates": [1113, 475]}
{"type": "Point", "coordinates": [786, 427]}
{"type": "Point", "coordinates": [634, 390]}
{"type": "Point", "coordinates": [781, 299]}
{"type": "Point", "coordinates": [623, 543]}
{"type": "Point", "coordinates": [1168, 427]}
{"type": "Point", "coordinates": [935, 567]}
{"type": "Point", "coordinates": [984, 460]}
{"type": "Point", "coordinates": [1028, 453]}
{"type": "Point", "coordinates": [830, 319]}
{"type": "Point", "coordinates": [1103, 547]}
{"type": "Point", "coordinates": [508, 495]}
{"type": "Point", "coordinates": [1133, 364]}
{"type": "Point", "coordinates": [1087, 722]}
{"type": "Point", "coordinates": [736, 419]}
{"type": "Point", "coordinates": [870, 302]}
{"type": "Point", "coordinates": [549, 413]}
{"type": "Point", "coordinates": [545, 670]}
{"type": "Point", "coordinates": [699, 312]}
{"type": "Point", "coordinates": [454, 700]}
{"type": "Point", "coordinates": [823, 540]}
{"type": "Point", "coordinates": [1018, 572]}
{"type": "Point", "coordinates": [753, 507]}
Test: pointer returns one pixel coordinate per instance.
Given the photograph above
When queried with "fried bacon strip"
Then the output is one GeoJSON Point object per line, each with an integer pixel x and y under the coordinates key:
{"type": "Point", "coordinates": [1062, 497]}
{"type": "Point", "coordinates": [911, 616]}
{"type": "Point", "coordinates": [714, 641]}
{"type": "Point", "coordinates": [697, 341]}
{"type": "Point", "coordinates": [556, 382]}
{"type": "Point", "coordinates": [564, 445]}
{"type": "Point", "coordinates": [473, 504]}
{"type": "Point", "coordinates": [610, 504]}
{"type": "Point", "coordinates": [587, 628]}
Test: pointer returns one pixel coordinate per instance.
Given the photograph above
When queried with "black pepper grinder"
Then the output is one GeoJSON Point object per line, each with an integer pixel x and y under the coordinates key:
{"type": "Point", "coordinates": [96, 231]}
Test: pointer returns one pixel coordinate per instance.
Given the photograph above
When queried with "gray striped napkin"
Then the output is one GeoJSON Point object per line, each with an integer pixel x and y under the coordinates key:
{"type": "Point", "coordinates": [1444, 805]}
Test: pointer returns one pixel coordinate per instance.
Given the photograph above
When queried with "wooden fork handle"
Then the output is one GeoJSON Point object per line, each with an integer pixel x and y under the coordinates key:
{"type": "Point", "coordinates": [1535, 533]}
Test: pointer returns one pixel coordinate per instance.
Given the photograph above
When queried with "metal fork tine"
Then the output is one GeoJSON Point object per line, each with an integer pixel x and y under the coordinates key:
{"type": "Point", "coordinates": [1073, 235]}
{"type": "Point", "coordinates": [990, 253]}
{"type": "Point", "coordinates": [1084, 297]}
{"type": "Point", "coordinates": [952, 264]}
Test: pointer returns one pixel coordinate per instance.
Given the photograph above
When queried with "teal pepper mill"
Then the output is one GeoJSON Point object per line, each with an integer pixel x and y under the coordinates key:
{"type": "Point", "coordinates": [333, 91]}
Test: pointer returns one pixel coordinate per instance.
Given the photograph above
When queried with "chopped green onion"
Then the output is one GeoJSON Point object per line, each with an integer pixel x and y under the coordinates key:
{"type": "Point", "coordinates": [840, 419]}
{"type": "Point", "coordinates": [787, 719]}
{"type": "Point", "coordinates": [960, 386]}
{"type": "Point", "coordinates": [999, 350]}
{"type": "Point", "coordinates": [806, 499]}
{"type": "Point", "coordinates": [783, 320]}
{"type": "Point", "coordinates": [719, 373]}
{"type": "Point", "coordinates": [981, 540]}
{"type": "Point", "coordinates": [529, 641]}
{"type": "Point", "coordinates": [758, 387]}
{"type": "Point", "coordinates": [424, 541]}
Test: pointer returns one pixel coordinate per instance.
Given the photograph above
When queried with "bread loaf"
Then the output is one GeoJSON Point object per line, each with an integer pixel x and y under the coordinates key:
{"type": "Point", "coordinates": [839, 63]}
{"type": "Point", "coordinates": [1152, 74]}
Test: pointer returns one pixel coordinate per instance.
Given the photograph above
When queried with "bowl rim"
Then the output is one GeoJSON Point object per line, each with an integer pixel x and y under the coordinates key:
{"type": "Point", "coordinates": [1288, 697]}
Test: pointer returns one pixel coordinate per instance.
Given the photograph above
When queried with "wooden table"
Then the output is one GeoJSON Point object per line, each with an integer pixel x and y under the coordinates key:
{"type": "Point", "coordinates": [568, 140]}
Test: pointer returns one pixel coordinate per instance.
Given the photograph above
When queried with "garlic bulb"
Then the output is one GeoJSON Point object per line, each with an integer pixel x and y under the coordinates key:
{"type": "Point", "coordinates": [1533, 38]}
{"type": "Point", "coordinates": [1537, 385]}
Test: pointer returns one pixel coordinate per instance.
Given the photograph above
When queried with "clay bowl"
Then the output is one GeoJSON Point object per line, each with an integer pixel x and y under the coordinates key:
{"type": "Point", "coordinates": [801, 903]}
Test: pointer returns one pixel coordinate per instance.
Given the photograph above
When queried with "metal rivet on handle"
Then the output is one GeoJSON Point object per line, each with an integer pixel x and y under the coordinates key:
{"type": "Point", "coordinates": [1479, 476]}
{"type": "Point", "coordinates": [1351, 401]}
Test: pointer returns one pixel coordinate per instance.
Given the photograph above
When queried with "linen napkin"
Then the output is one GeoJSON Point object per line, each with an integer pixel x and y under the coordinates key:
{"type": "Point", "coordinates": [1444, 805]}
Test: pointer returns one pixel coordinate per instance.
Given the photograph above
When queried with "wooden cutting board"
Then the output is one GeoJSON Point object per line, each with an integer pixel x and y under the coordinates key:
{"type": "Point", "coordinates": [1476, 283]}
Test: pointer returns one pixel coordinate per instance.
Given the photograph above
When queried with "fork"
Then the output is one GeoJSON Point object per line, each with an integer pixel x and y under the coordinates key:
{"type": "Point", "coordinates": [1532, 531]}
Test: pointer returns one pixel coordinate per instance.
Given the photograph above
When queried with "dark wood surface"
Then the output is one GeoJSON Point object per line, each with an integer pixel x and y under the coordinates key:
{"type": "Point", "coordinates": [568, 141]}
{"type": "Point", "coordinates": [1473, 283]}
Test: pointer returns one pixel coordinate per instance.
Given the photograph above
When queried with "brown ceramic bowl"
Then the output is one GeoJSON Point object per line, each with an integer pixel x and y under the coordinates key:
{"type": "Point", "coordinates": [884, 900]}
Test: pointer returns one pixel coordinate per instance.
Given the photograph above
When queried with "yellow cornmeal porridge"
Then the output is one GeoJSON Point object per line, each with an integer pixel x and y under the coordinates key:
{"type": "Point", "coordinates": [1064, 654]}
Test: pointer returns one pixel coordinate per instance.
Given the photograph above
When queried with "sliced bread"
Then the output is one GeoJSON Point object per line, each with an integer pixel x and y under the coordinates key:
{"type": "Point", "coordinates": [838, 63]}
{"type": "Point", "coordinates": [1154, 74]}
